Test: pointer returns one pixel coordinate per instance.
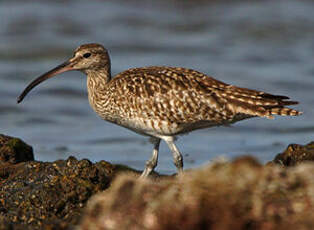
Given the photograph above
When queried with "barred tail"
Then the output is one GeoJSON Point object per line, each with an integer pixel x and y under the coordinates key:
{"type": "Point", "coordinates": [284, 112]}
{"type": "Point", "coordinates": [281, 110]}
{"type": "Point", "coordinates": [255, 103]}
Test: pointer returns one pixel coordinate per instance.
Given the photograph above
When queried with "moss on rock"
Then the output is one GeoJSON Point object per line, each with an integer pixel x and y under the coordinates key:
{"type": "Point", "coordinates": [14, 150]}
{"type": "Point", "coordinates": [242, 194]}
{"type": "Point", "coordinates": [295, 154]}
{"type": "Point", "coordinates": [239, 195]}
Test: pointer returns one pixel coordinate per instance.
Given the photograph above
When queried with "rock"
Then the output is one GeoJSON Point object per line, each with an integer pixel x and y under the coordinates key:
{"type": "Point", "coordinates": [295, 154]}
{"type": "Point", "coordinates": [242, 194]}
{"type": "Point", "coordinates": [239, 195]}
{"type": "Point", "coordinates": [14, 150]}
{"type": "Point", "coordinates": [49, 195]}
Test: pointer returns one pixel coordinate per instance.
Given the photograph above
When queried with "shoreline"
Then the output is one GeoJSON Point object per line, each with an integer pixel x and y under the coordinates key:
{"type": "Point", "coordinates": [79, 194]}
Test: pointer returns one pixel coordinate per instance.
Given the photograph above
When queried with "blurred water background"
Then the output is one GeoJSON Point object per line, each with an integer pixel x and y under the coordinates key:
{"type": "Point", "coordinates": [264, 45]}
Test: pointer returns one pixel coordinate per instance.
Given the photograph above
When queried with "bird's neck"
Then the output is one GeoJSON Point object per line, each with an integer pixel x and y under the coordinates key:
{"type": "Point", "coordinates": [98, 79]}
{"type": "Point", "coordinates": [101, 75]}
{"type": "Point", "coordinates": [97, 83]}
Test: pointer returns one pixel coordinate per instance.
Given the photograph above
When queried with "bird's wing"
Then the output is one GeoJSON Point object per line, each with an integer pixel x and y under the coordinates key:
{"type": "Point", "coordinates": [184, 95]}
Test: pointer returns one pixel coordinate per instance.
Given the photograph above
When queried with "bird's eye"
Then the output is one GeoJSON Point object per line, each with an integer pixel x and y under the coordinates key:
{"type": "Point", "coordinates": [87, 55]}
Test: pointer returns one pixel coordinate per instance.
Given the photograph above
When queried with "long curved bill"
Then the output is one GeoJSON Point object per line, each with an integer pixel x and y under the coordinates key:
{"type": "Point", "coordinates": [66, 66]}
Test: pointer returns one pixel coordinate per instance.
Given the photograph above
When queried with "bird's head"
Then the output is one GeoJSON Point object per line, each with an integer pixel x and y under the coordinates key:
{"type": "Point", "coordinates": [90, 57]}
{"type": "Point", "coordinates": [87, 58]}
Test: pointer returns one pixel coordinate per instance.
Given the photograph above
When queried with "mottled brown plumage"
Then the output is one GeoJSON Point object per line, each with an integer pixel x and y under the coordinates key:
{"type": "Point", "coordinates": [163, 102]}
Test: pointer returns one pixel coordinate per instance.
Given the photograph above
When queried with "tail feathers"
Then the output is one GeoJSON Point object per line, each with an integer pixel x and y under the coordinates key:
{"type": "Point", "coordinates": [263, 109]}
{"type": "Point", "coordinates": [283, 111]}
{"type": "Point", "coordinates": [255, 103]}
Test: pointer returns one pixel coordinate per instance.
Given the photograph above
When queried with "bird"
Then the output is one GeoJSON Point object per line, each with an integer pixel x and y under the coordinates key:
{"type": "Point", "coordinates": [163, 102]}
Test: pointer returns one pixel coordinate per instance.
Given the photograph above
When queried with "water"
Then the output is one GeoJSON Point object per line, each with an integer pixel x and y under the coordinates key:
{"type": "Point", "coordinates": [264, 45]}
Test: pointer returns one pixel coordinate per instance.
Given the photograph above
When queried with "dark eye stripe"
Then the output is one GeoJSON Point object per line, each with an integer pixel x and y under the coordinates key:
{"type": "Point", "coordinates": [87, 55]}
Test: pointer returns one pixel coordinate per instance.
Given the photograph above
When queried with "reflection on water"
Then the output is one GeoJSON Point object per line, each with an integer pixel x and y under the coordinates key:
{"type": "Point", "coordinates": [265, 45]}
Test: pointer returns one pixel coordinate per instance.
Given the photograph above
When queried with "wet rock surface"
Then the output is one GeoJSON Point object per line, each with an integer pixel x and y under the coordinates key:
{"type": "Point", "coordinates": [40, 193]}
{"type": "Point", "coordinates": [14, 150]}
{"type": "Point", "coordinates": [295, 154]}
{"type": "Point", "coordinates": [46, 195]}
{"type": "Point", "coordinates": [242, 194]}
{"type": "Point", "coordinates": [239, 195]}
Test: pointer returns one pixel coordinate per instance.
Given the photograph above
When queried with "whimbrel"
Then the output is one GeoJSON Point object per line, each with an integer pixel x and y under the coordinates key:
{"type": "Point", "coordinates": [163, 102]}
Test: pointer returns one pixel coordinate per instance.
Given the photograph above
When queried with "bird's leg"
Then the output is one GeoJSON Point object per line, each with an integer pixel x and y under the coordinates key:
{"type": "Point", "coordinates": [152, 162]}
{"type": "Point", "coordinates": [177, 156]}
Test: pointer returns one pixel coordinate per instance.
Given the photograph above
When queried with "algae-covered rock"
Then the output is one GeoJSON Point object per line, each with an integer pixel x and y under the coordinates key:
{"type": "Point", "coordinates": [239, 195]}
{"type": "Point", "coordinates": [47, 195]}
{"type": "Point", "coordinates": [14, 150]}
{"type": "Point", "coordinates": [295, 154]}
{"type": "Point", "coordinates": [242, 194]}
{"type": "Point", "coordinates": [38, 194]}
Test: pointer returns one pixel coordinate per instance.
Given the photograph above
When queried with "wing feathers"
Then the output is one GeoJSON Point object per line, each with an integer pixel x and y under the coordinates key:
{"type": "Point", "coordinates": [257, 103]}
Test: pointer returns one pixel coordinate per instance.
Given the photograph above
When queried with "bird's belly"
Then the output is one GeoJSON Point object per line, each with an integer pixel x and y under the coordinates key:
{"type": "Point", "coordinates": [157, 128]}
{"type": "Point", "coordinates": [149, 126]}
